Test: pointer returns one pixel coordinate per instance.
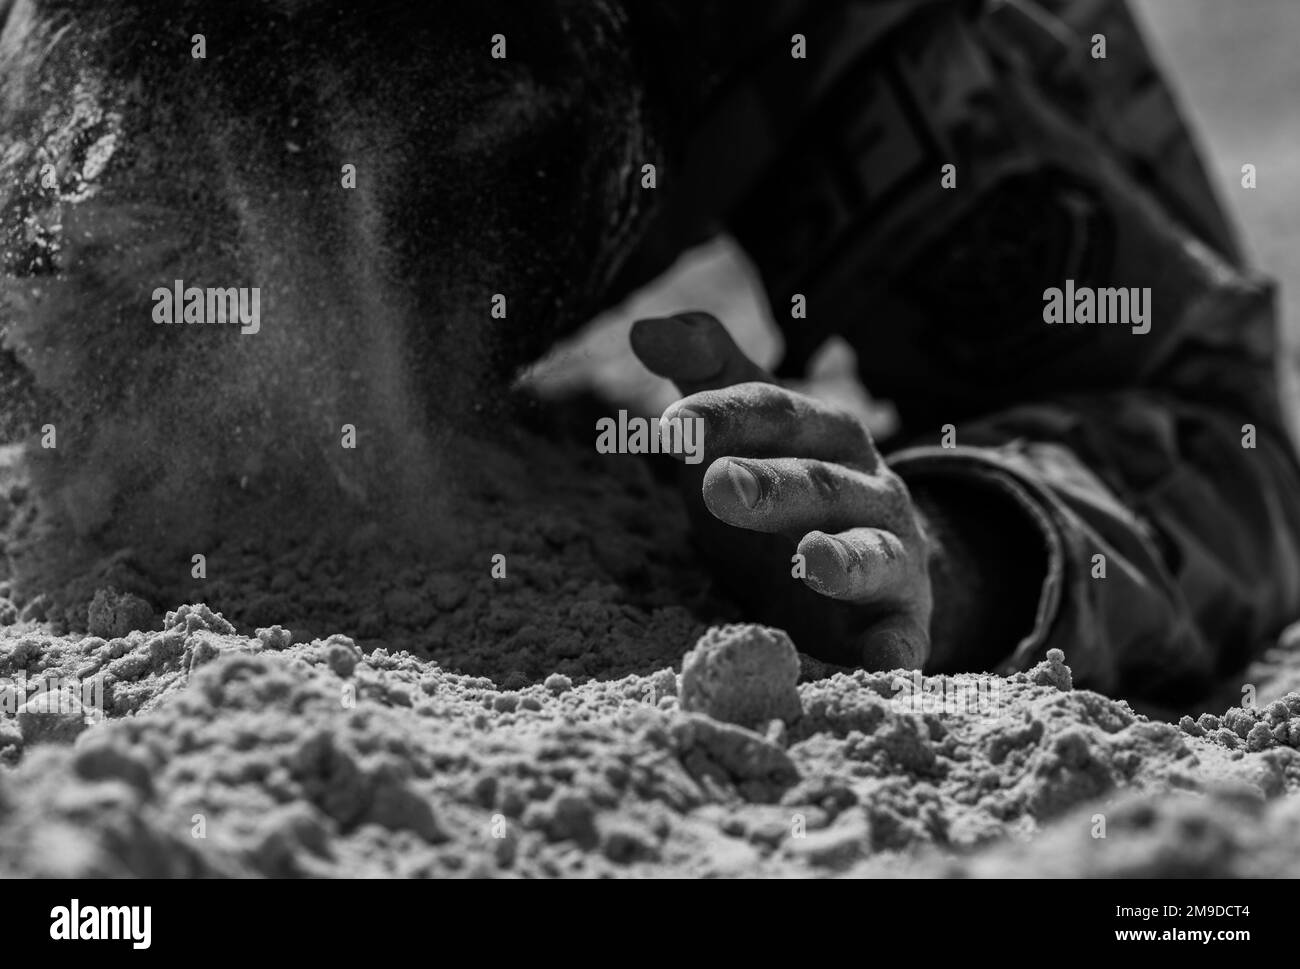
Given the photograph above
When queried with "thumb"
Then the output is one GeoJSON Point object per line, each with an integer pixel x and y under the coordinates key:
{"type": "Point", "coordinates": [695, 352]}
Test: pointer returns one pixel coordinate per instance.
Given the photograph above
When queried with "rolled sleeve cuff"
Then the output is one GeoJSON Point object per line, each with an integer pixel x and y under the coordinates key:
{"type": "Point", "coordinates": [994, 469]}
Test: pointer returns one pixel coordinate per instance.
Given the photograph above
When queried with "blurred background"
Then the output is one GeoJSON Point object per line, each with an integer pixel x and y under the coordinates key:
{"type": "Point", "coordinates": [1233, 66]}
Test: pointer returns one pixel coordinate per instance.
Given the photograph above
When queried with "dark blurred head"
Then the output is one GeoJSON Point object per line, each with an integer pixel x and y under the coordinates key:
{"type": "Point", "coordinates": [475, 176]}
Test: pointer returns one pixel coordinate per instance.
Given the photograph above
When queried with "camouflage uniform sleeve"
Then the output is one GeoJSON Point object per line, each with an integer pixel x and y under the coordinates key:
{"type": "Point", "coordinates": [1158, 459]}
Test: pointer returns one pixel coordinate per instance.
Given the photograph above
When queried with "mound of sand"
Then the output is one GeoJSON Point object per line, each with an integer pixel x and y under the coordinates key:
{"type": "Point", "coordinates": [234, 755]}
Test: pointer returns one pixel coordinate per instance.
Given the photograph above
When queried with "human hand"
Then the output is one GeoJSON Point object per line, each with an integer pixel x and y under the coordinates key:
{"type": "Point", "coordinates": [791, 488]}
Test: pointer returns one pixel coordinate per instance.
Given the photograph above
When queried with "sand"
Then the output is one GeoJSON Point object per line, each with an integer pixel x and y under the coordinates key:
{"type": "Point", "coordinates": [353, 705]}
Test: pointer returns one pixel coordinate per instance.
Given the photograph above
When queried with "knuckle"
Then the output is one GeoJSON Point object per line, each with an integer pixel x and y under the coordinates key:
{"type": "Point", "coordinates": [894, 488]}
{"type": "Point", "coordinates": [773, 398]}
{"type": "Point", "coordinates": [824, 483]}
{"type": "Point", "coordinates": [859, 437]}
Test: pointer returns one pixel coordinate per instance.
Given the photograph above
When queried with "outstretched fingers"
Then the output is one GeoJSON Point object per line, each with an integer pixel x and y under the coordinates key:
{"type": "Point", "coordinates": [764, 420]}
{"type": "Point", "coordinates": [873, 566]}
{"type": "Point", "coordinates": [791, 496]}
{"type": "Point", "coordinates": [858, 565]}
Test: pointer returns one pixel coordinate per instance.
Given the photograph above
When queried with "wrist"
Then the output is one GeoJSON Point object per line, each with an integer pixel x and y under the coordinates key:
{"type": "Point", "coordinates": [987, 564]}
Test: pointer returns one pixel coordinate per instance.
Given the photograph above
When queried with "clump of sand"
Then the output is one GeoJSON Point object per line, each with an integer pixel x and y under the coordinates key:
{"type": "Point", "coordinates": [742, 674]}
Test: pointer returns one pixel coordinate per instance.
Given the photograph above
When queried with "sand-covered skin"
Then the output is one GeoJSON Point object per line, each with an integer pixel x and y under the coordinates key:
{"type": "Point", "coordinates": [356, 708]}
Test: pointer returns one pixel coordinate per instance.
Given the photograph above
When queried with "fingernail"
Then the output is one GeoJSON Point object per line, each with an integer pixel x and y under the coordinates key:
{"type": "Point", "coordinates": [681, 434]}
{"type": "Point", "coordinates": [827, 562]}
{"type": "Point", "coordinates": [683, 414]}
{"type": "Point", "coordinates": [745, 482]}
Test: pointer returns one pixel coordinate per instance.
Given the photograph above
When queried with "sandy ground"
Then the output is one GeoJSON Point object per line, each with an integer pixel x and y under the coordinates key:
{"type": "Point", "coordinates": [406, 716]}
{"type": "Point", "coordinates": [357, 705]}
